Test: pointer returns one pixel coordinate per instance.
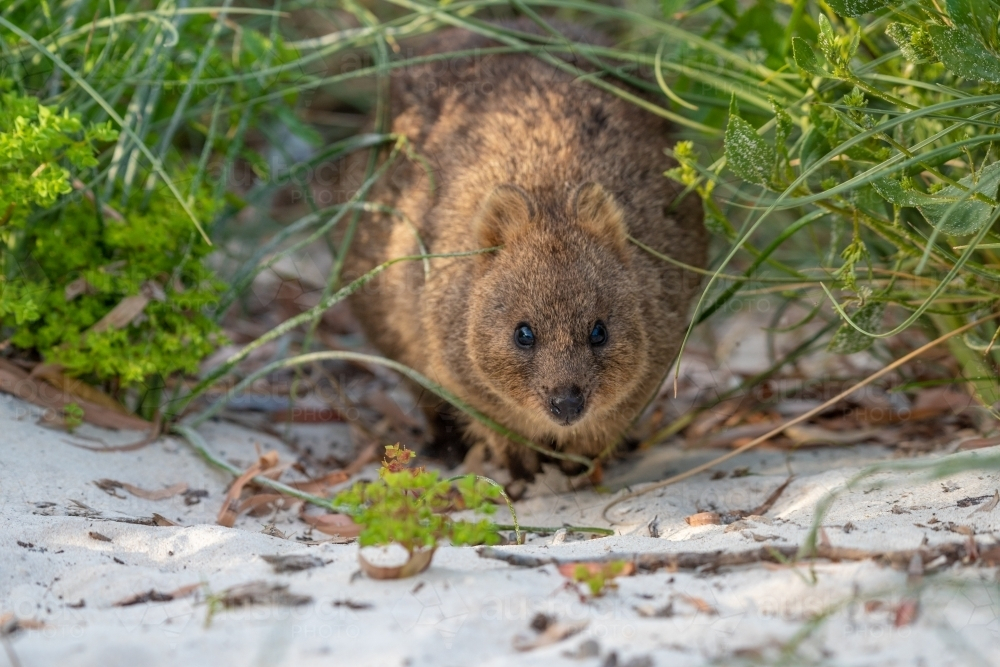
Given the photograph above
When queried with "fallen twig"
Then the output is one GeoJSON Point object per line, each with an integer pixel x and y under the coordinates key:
{"type": "Point", "coordinates": [16, 381]}
{"type": "Point", "coordinates": [773, 498]}
{"type": "Point", "coordinates": [230, 507]}
{"type": "Point", "coordinates": [153, 436]}
{"type": "Point", "coordinates": [548, 530]}
{"type": "Point", "coordinates": [109, 485]}
{"type": "Point", "coordinates": [153, 595]}
{"type": "Point", "coordinates": [965, 552]}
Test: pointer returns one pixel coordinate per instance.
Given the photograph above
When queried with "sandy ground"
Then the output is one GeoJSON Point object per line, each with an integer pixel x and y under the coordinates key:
{"type": "Point", "coordinates": [465, 610]}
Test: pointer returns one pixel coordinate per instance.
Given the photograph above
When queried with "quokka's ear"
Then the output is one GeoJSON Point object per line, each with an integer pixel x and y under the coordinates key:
{"type": "Point", "coordinates": [596, 211]}
{"type": "Point", "coordinates": [506, 210]}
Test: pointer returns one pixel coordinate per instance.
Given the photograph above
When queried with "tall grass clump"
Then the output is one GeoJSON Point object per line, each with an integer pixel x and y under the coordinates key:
{"type": "Point", "coordinates": [885, 159]}
{"type": "Point", "coordinates": [116, 165]}
{"type": "Point", "coordinates": [844, 149]}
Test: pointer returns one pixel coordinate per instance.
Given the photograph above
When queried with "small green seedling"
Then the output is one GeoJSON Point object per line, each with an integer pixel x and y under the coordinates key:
{"type": "Point", "coordinates": [597, 576]}
{"type": "Point", "coordinates": [411, 507]}
{"type": "Point", "coordinates": [72, 416]}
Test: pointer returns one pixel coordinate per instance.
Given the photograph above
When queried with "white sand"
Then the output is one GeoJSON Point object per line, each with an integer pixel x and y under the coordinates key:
{"type": "Point", "coordinates": [466, 610]}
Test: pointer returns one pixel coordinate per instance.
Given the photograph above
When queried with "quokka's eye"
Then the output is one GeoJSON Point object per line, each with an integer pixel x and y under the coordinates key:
{"type": "Point", "coordinates": [599, 334]}
{"type": "Point", "coordinates": [524, 336]}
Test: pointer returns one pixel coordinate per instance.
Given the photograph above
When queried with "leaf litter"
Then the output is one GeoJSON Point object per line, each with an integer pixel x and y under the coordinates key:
{"type": "Point", "coordinates": [109, 486]}
{"type": "Point", "coordinates": [282, 563]}
{"type": "Point", "coordinates": [260, 593]}
{"type": "Point", "coordinates": [156, 596]}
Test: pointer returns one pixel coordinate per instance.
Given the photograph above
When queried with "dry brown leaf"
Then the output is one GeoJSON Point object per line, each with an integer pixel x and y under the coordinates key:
{"type": "Point", "coordinates": [915, 570]}
{"type": "Point", "coordinates": [653, 611]}
{"type": "Point", "coordinates": [968, 531]}
{"type": "Point", "coordinates": [730, 437]}
{"type": "Point", "coordinates": [969, 501]}
{"type": "Point", "coordinates": [161, 494]}
{"type": "Point", "coordinates": [367, 455]}
{"type": "Point", "coordinates": [415, 564]}
{"type": "Point", "coordinates": [332, 524]}
{"type": "Point", "coordinates": [9, 624]}
{"type": "Point", "coordinates": [806, 434]}
{"type": "Point", "coordinates": [261, 592]}
{"type": "Point", "coordinates": [766, 506]}
{"type": "Point", "coordinates": [121, 315]}
{"type": "Point", "coordinates": [265, 503]}
{"type": "Point", "coordinates": [154, 291]}
{"type": "Point", "coordinates": [16, 381]}
{"type": "Point", "coordinates": [906, 612]}
{"type": "Point", "coordinates": [78, 287]}
{"type": "Point", "coordinates": [277, 471]}
{"type": "Point", "coordinates": [939, 400]}
{"type": "Point", "coordinates": [55, 420]}
{"type": "Point", "coordinates": [554, 632]}
{"type": "Point", "coordinates": [704, 519]}
{"type": "Point", "coordinates": [596, 476]}
{"type": "Point", "coordinates": [109, 486]}
{"type": "Point", "coordinates": [990, 557]}
{"type": "Point", "coordinates": [699, 604]}
{"type": "Point", "coordinates": [156, 596]}
{"type": "Point", "coordinates": [988, 506]}
{"type": "Point", "coordinates": [383, 403]}
{"type": "Point", "coordinates": [324, 482]}
{"type": "Point", "coordinates": [351, 604]}
{"type": "Point", "coordinates": [229, 510]}
{"type": "Point", "coordinates": [272, 531]}
{"type": "Point", "coordinates": [763, 538]}
{"type": "Point", "coordinates": [105, 209]}
{"type": "Point", "coordinates": [161, 520]}
{"type": "Point", "coordinates": [185, 591]}
{"type": "Point", "coordinates": [972, 549]}
{"type": "Point", "coordinates": [293, 562]}
{"type": "Point", "coordinates": [152, 436]}
{"type": "Point", "coordinates": [307, 416]}
{"type": "Point", "coordinates": [713, 417]}
{"type": "Point", "coordinates": [53, 374]}
{"type": "Point", "coordinates": [979, 443]}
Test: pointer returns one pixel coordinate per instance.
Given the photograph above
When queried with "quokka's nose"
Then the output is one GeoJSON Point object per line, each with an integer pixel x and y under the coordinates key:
{"type": "Point", "coordinates": [566, 404]}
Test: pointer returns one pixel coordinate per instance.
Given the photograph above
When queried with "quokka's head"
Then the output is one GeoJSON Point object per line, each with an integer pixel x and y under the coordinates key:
{"type": "Point", "coordinates": [555, 320]}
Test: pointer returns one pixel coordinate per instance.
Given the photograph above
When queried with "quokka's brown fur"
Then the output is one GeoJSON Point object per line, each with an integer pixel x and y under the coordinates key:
{"type": "Point", "coordinates": [558, 173]}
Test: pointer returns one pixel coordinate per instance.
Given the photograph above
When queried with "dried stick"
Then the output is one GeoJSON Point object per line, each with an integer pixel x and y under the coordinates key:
{"type": "Point", "coordinates": [965, 552]}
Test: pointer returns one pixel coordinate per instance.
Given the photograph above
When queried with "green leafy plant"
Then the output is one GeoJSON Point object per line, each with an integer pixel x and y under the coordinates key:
{"type": "Point", "coordinates": [411, 506]}
{"type": "Point", "coordinates": [888, 159]}
{"type": "Point", "coordinates": [37, 148]}
{"type": "Point", "coordinates": [113, 294]}
{"type": "Point", "coordinates": [104, 212]}
{"type": "Point", "coordinates": [35, 144]}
